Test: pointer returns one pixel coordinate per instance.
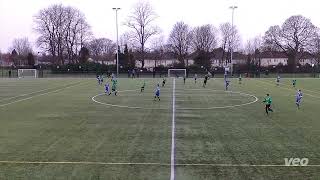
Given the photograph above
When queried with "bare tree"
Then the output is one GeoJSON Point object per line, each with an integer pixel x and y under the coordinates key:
{"type": "Point", "coordinates": [140, 21]}
{"type": "Point", "coordinates": [258, 43]}
{"type": "Point", "coordinates": [77, 32]}
{"type": "Point", "coordinates": [253, 44]}
{"type": "Point", "coordinates": [294, 36]}
{"type": "Point", "coordinates": [22, 46]}
{"type": "Point", "coordinates": [204, 38]}
{"type": "Point", "coordinates": [315, 49]}
{"type": "Point", "coordinates": [249, 49]}
{"type": "Point", "coordinates": [62, 31]}
{"type": "Point", "coordinates": [158, 43]}
{"type": "Point", "coordinates": [180, 41]}
{"type": "Point", "coordinates": [102, 48]}
{"type": "Point", "coordinates": [230, 39]}
{"type": "Point", "coordinates": [157, 48]}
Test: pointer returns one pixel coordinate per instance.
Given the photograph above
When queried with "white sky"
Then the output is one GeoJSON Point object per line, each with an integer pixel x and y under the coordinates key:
{"type": "Point", "coordinates": [253, 17]}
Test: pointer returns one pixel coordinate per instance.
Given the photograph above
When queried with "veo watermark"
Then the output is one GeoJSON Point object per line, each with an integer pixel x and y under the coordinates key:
{"type": "Point", "coordinates": [296, 161]}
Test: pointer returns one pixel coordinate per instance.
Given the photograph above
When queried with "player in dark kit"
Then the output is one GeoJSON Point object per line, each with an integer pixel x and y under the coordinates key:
{"type": "Point", "coordinates": [278, 80]}
{"type": "Point", "coordinates": [294, 83]}
{"type": "Point", "coordinates": [205, 80]}
{"type": "Point", "coordinates": [227, 84]}
{"type": "Point", "coordinates": [240, 79]}
{"type": "Point", "coordinates": [143, 86]}
{"type": "Point", "coordinates": [163, 82]}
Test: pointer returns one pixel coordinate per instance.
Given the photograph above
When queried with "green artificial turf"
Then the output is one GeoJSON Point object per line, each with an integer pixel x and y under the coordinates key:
{"type": "Point", "coordinates": [52, 129]}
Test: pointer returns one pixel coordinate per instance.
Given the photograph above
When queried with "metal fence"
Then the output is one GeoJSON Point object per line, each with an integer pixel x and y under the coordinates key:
{"type": "Point", "coordinates": [13, 73]}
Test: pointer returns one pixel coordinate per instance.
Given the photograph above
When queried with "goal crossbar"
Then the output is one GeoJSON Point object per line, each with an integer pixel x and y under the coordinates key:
{"type": "Point", "coordinates": [177, 72]}
{"type": "Point", "coordinates": [27, 73]}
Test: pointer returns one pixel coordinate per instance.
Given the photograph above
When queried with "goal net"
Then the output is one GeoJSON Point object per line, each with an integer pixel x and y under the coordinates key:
{"type": "Point", "coordinates": [27, 73]}
{"type": "Point", "coordinates": [177, 73]}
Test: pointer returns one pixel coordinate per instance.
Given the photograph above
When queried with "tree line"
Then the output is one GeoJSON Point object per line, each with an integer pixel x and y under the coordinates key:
{"type": "Point", "coordinates": [65, 35]}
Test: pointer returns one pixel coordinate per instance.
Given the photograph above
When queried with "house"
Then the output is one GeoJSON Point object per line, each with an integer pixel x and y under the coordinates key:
{"type": "Point", "coordinates": [274, 58]}
{"type": "Point", "coordinates": [168, 59]}
{"type": "Point", "coordinates": [5, 60]}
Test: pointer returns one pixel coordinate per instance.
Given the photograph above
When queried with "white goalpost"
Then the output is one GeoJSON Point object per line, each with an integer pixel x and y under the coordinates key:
{"type": "Point", "coordinates": [27, 73]}
{"type": "Point", "coordinates": [177, 73]}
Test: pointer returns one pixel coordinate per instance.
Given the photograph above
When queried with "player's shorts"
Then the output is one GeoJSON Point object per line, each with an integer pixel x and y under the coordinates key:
{"type": "Point", "coordinates": [158, 93]}
{"type": "Point", "coordinates": [268, 107]}
{"type": "Point", "coordinates": [113, 89]}
{"type": "Point", "coordinates": [298, 100]}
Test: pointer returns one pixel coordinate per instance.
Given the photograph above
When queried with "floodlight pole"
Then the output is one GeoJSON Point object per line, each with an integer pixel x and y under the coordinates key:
{"type": "Point", "coordinates": [232, 35]}
{"type": "Point", "coordinates": [117, 9]}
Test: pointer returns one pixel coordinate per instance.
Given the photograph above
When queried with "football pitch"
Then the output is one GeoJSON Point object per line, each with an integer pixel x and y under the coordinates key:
{"type": "Point", "coordinates": [69, 129]}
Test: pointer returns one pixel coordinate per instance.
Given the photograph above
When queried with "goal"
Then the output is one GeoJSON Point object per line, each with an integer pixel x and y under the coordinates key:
{"type": "Point", "coordinates": [177, 73]}
{"type": "Point", "coordinates": [27, 73]}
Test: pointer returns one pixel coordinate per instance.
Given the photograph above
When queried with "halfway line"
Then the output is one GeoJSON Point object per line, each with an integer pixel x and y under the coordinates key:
{"type": "Point", "coordinates": [172, 174]}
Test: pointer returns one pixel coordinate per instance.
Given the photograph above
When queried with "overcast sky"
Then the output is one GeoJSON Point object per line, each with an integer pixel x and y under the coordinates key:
{"type": "Point", "coordinates": [253, 17]}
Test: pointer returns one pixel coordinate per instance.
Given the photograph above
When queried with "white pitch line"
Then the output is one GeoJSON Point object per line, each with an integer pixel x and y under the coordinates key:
{"type": "Point", "coordinates": [172, 174]}
{"type": "Point", "coordinates": [80, 162]}
{"type": "Point", "coordinates": [13, 97]}
{"type": "Point", "coordinates": [3, 105]}
{"type": "Point", "coordinates": [317, 92]}
{"type": "Point", "coordinates": [247, 165]}
{"type": "Point", "coordinates": [286, 88]}
{"type": "Point", "coordinates": [151, 163]}
{"type": "Point", "coordinates": [204, 108]}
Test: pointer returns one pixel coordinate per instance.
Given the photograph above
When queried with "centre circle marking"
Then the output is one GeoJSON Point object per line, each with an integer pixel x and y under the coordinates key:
{"type": "Point", "coordinates": [208, 108]}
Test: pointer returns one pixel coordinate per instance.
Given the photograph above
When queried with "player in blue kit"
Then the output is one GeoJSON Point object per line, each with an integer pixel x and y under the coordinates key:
{"type": "Point", "coordinates": [98, 79]}
{"type": "Point", "coordinates": [157, 92]}
{"type": "Point", "coordinates": [107, 89]}
{"type": "Point", "coordinates": [299, 96]}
